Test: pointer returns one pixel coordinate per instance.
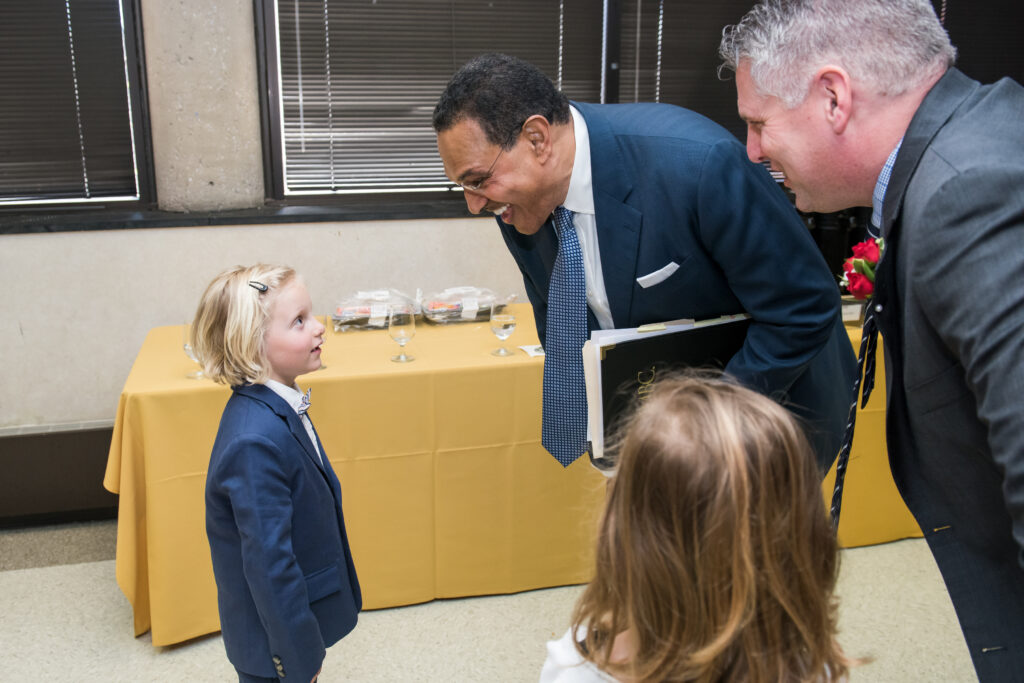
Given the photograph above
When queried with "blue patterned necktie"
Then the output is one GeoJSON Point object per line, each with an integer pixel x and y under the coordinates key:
{"type": "Point", "coordinates": [304, 406]}
{"type": "Point", "coordinates": [564, 427]}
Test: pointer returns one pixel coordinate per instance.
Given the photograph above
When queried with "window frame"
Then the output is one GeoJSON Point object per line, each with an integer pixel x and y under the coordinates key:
{"type": "Point", "coordinates": [328, 208]}
{"type": "Point", "coordinates": [57, 215]}
{"type": "Point", "coordinates": [443, 203]}
{"type": "Point", "coordinates": [448, 203]}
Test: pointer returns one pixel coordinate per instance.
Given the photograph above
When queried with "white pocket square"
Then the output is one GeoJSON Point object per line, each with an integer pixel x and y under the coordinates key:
{"type": "Point", "coordinates": [657, 276]}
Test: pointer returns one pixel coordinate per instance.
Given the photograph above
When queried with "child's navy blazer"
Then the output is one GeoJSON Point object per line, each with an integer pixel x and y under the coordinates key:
{"type": "Point", "coordinates": [286, 584]}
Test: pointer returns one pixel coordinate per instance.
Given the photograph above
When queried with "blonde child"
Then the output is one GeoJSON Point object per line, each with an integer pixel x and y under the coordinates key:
{"type": "Point", "coordinates": [715, 558]}
{"type": "Point", "coordinates": [286, 584]}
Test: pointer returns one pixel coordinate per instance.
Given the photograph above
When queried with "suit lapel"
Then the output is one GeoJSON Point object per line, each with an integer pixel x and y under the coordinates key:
{"type": "Point", "coordinates": [618, 223]}
{"type": "Point", "coordinates": [325, 464]}
{"type": "Point", "coordinates": [281, 408]}
{"type": "Point", "coordinates": [618, 239]}
{"type": "Point", "coordinates": [937, 107]}
{"type": "Point", "coordinates": [299, 432]}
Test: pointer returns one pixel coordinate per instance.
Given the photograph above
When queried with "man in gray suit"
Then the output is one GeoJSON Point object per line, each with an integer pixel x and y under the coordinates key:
{"type": "Point", "coordinates": [858, 104]}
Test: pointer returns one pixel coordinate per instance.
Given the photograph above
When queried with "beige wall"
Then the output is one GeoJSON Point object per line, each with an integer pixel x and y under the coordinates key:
{"type": "Point", "coordinates": [77, 305]}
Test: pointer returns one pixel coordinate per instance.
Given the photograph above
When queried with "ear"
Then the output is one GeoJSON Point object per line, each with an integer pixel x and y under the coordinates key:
{"type": "Point", "coordinates": [537, 131]}
{"type": "Point", "coordinates": [833, 87]}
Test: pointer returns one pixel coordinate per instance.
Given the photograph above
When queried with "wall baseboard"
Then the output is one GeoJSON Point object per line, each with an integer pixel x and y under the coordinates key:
{"type": "Point", "coordinates": [55, 477]}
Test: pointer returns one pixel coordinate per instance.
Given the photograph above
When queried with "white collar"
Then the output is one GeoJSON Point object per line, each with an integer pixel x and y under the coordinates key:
{"type": "Point", "coordinates": [292, 395]}
{"type": "Point", "coordinates": [580, 197]}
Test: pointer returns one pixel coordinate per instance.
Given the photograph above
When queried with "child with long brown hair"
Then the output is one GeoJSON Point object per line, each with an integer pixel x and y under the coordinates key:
{"type": "Point", "coordinates": [715, 557]}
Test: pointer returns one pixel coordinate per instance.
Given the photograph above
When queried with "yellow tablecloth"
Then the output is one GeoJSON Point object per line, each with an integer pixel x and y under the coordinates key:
{"type": "Point", "coordinates": [447, 490]}
{"type": "Point", "coordinates": [872, 510]}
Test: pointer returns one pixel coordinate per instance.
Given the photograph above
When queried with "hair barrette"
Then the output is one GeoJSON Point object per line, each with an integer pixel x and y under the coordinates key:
{"type": "Point", "coordinates": [258, 285]}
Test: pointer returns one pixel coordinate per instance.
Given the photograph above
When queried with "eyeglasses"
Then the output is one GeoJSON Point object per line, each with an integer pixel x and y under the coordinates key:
{"type": "Point", "coordinates": [475, 186]}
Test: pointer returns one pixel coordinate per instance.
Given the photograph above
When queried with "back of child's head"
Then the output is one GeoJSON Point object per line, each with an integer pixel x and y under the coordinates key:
{"type": "Point", "coordinates": [228, 330]}
{"type": "Point", "coordinates": [715, 551]}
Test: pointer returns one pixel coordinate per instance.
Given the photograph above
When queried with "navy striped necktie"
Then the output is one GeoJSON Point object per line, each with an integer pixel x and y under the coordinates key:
{"type": "Point", "coordinates": [861, 392]}
{"type": "Point", "coordinates": [564, 427]}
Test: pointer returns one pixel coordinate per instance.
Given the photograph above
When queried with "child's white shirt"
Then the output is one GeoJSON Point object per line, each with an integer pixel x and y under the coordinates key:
{"type": "Point", "coordinates": [564, 664]}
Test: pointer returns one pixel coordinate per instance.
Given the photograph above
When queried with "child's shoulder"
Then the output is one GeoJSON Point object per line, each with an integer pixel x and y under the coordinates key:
{"type": "Point", "coordinates": [256, 401]}
{"type": "Point", "coordinates": [248, 420]}
{"type": "Point", "coordinates": [248, 407]}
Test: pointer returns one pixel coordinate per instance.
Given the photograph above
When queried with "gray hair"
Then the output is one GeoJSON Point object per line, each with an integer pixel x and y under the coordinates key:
{"type": "Point", "coordinates": [893, 46]}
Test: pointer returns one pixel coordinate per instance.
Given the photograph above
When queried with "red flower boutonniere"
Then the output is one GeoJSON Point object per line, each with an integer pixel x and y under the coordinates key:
{"type": "Point", "coordinates": [859, 270]}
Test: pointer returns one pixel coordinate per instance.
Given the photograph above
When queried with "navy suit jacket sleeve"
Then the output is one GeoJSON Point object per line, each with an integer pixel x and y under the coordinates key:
{"type": "Point", "coordinates": [771, 265]}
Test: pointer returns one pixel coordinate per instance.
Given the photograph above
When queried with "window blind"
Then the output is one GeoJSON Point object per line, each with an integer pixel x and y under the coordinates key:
{"type": "Point", "coordinates": [669, 53]}
{"type": "Point", "coordinates": [66, 131]}
{"type": "Point", "coordinates": [358, 80]}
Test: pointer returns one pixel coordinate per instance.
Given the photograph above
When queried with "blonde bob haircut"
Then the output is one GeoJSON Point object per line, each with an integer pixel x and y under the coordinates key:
{"type": "Point", "coordinates": [714, 551]}
{"type": "Point", "coordinates": [231, 321]}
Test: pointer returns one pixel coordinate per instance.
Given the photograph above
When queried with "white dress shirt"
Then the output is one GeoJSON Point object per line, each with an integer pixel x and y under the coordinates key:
{"type": "Point", "coordinates": [580, 200]}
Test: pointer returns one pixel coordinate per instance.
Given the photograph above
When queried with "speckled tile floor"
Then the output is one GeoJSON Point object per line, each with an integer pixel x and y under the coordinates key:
{"type": "Point", "coordinates": [62, 617]}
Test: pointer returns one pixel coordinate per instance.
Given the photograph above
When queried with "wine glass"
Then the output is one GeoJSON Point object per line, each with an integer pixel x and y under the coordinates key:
{"type": "Point", "coordinates": [503, 324]}
{"type": "Point", "coordinates": [402, 328]}
{"type": "Point", "coordinates": [187, 345]}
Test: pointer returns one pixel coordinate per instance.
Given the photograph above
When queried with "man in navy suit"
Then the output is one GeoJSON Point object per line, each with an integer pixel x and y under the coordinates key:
{"type": "Point", "coordinates": [868, 115]}
{"type": "Point", "coordinates": [673, 222]}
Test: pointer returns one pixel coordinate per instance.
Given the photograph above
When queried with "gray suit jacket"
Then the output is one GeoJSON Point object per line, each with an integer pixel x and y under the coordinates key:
{"type": "Point", "coordinates": [950, 289]}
